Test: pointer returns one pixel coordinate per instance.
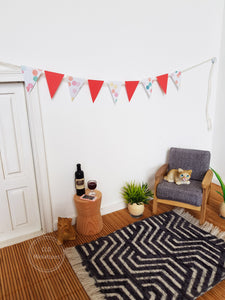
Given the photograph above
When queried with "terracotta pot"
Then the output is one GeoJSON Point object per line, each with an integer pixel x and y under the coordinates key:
{"type": "Point", "coordinates": [136, 210]}
{"type": "Point", "coordinates": [222, 210]}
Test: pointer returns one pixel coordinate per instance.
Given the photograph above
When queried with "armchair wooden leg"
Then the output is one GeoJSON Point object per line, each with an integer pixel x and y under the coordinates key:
{"type": "Point", "coordinates": [203, 209]}
{"type": "Point", "coordinates": [203, 213]}
{"type": "Point", "coordinates": [209, 190]}
{"type": "Point", "coordinates": [155, 206]}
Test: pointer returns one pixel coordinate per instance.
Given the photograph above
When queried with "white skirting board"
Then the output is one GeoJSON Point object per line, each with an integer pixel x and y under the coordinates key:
{"type": "Point", "coordinates": [21, 239]}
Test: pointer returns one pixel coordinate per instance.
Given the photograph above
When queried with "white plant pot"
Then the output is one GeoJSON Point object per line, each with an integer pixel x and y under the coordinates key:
{"type": "Point", "coordinates": [136, 210]}
{"type": "Point", "coordinates": [222, 210]}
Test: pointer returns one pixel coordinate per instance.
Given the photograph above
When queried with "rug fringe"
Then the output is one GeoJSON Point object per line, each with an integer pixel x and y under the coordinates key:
{"type": "Point", "coordinates": [208, 227]}
{"type": "Point", "coordinates": [80, 270]}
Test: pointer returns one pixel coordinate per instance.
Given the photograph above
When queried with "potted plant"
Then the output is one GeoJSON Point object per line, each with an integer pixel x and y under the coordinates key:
{"type": "Point", "coordinates": [222, 206]}
{"type": "Point", "coordinates": [136, 195]}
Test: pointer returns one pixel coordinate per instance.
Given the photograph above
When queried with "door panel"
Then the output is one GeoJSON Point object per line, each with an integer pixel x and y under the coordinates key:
{"type": "Point", "coordinates": [9, 149]}
{"type": "Point", "coordinates": [19, 209]}
{"type": "Point", "coordinates": [16, 198]}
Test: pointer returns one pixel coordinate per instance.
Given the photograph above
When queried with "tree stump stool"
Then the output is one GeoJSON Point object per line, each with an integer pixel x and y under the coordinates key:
{"type": "Point", "coordinates": [89, 219]}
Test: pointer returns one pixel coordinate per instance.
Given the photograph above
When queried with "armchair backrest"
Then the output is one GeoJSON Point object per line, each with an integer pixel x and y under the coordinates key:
{"type": "Point", "coordinates": [196, 160]}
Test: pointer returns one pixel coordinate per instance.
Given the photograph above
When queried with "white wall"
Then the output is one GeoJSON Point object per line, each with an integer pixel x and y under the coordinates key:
{"type": "Point", "coordinates": [219, 128]}
{"type": "Point", "coordinates": [115, 40]}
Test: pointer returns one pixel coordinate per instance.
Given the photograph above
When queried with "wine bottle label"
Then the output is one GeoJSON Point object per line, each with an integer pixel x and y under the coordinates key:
{"type": "Point", "coordinates": [80, 183]}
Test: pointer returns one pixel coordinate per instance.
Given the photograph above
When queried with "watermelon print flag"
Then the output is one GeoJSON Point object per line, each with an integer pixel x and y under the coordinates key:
{"type": "Point", "coordinates": [53, 80]}
{"type": "Point", "coordinates": [163, 81]}
{"type": "Point", "coordinates": [131, 87]}
{"type": "Point", "coordinates": [95, 87]}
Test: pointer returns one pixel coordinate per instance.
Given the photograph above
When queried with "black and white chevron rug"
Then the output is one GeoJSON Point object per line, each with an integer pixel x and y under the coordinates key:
{"type": "Point", "coordinates": [163, 257]}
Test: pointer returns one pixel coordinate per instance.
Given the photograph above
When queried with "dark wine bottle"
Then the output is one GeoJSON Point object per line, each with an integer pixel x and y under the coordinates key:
{"type": "Point", "coordinates": [79, 181]}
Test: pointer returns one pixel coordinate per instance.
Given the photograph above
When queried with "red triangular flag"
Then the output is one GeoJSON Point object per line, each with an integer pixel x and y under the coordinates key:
{"type": "Point", "coordinates": [131, 87]}
{"type": "Point", "coordinates": [94, 86]}
{"type": "Point", "coordinates": [162, 81]}
{"type": "Point", "coordinates": [53, 81]}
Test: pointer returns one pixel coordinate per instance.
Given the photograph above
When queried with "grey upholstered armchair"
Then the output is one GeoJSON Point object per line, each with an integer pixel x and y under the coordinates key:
{"type": "Point", "coordinates": [193, 196]}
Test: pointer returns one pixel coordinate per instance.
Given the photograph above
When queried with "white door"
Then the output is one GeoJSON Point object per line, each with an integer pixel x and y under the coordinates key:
{"type": "Point", "coordinates": [19, 209]}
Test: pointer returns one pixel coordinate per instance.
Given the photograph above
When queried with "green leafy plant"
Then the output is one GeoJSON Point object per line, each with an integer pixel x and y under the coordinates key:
{"type": "Point", "coordinates": [221, 183]}
{"type": "Point", "coordinates": [136, 193]}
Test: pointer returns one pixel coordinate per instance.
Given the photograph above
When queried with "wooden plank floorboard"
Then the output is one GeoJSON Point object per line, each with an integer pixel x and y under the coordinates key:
{"type": "Point", "coordinates": [20, 280]}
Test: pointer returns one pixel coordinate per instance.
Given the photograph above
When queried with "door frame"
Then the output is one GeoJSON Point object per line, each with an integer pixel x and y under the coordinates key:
{"type": "Point", "coordinates": [13, 75]}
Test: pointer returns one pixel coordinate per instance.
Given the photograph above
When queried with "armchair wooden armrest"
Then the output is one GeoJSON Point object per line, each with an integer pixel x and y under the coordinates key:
{"type": "Point", "coordinates": [207, 179]}
{"type": "Point", "coordinates": [161, 173]}
{"type": "Point", "coordinates": [158, 177]}
{"type": "Point", "coordinates": [206, 185]}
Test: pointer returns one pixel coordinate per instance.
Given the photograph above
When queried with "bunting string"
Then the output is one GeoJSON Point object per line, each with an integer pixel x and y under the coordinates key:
{"type": "Point", "coordinates": [8, 65]}
{"type": "Point", "coordinates": [31, 76]}
{"type": "Point", "coordinates": [212, 60]}
{"type": "Point", "coordinates": [208, 119]}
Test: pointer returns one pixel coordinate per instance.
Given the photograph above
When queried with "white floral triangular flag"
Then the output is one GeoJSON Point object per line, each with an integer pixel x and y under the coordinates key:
{"type": "Point", "coordinates": [115, 88]}
{"type": "Point", "coordinates": [148, 85]}
{"type": "Point", "coordinates": [75, 84]}
{"type": "Point", "coordinates": [176, 77]}
{"type": "Point", "coordinates": [31, 76]}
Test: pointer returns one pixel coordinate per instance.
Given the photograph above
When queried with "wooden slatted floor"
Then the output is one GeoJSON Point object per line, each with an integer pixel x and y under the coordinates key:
{"type": "Point", "coordinates": [20, 280]}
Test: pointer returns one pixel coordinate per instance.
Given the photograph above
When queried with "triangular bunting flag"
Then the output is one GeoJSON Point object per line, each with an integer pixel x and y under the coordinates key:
{"type": "Point", "coordinates": [162, 81]}
{"type": "Point", "coordinates": [53, 81]}
{"type": "Point", "coordinates": [115, 87]}
{"type": "Point", "coordinates": [75, 84]}
{"type": "Point", "coordinates": [176, 77]}
{"type": "Point", "coordinates": [148, 85]}
{"type": "Point", "coordinates": [94, 86]}
{"type": "Point", "coordinates": [31, 76]}
{"type": "Point", "coordinates": [131, 87]}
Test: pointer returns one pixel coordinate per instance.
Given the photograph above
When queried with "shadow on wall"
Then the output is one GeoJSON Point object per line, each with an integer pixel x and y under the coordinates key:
{"type": "Point", "coordinates": [151, 181]}
{"type": "Point", "coordinates": [151, 178]}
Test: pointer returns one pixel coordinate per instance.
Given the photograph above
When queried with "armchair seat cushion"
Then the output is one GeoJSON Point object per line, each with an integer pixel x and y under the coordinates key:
{"type": "Point", "coordinates": [186, 193]}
